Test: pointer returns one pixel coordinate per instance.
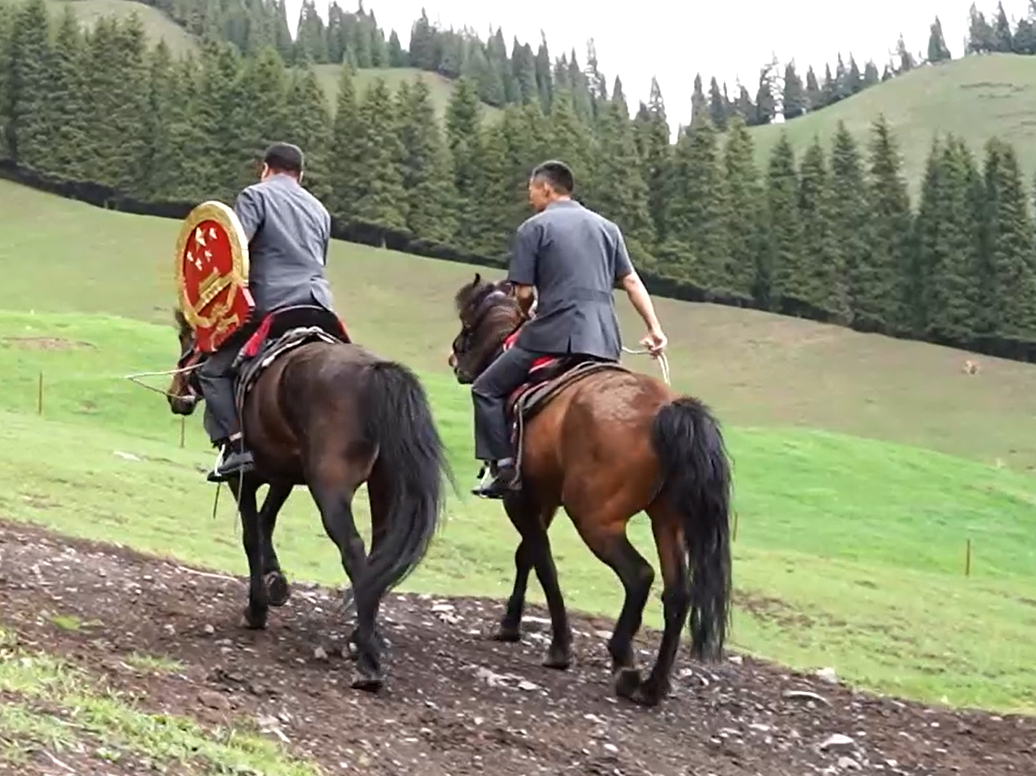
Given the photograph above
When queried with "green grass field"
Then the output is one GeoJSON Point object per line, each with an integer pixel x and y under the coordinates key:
{"type": "Point", "coordinates": [975, 98]}
{"type": "Point", "coordinates": [850, 551]}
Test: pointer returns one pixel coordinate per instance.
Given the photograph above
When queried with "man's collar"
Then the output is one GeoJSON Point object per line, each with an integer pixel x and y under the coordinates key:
{"type": "Point", "coordinates": [563, 203]}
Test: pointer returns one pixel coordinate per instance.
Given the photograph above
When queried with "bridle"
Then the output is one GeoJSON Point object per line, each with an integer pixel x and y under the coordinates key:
{"type": "Point", "coordinates": [189, 363]}
{"type": "Point", "coordinates": [485, 305]}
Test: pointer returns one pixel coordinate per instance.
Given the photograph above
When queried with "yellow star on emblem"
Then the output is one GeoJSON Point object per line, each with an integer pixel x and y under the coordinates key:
{"type": "Point", "coordinates": [199, 236]}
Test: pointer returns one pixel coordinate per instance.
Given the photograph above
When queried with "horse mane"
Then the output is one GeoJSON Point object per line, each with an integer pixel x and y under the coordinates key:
{"type": "Point", "coordinates": [470, 292]}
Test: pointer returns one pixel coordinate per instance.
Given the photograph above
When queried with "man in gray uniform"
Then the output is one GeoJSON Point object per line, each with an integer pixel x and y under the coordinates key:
{"type": "Point", "coordinates": [573, 258]}
{"type": "Point", "coordinates": [288, 232]}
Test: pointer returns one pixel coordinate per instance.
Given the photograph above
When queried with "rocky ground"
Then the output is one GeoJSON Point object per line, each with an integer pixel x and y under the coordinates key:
{"type": "Point", "coordinates": [454, 702]}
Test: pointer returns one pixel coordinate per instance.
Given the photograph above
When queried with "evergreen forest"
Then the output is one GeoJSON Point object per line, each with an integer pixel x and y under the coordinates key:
{"type": "Point", "coordinates": [830, 235]}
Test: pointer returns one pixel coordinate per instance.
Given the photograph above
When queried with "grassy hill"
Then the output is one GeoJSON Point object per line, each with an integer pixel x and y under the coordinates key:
{"type": "Point", "coordinates": [157, 25]}
{"type": "Point", "coordinates": [757, 369]}
{"type": "Point", "coordinates": [976, 98]}
{"type": "Point", "coordinates": [440, 86]}
{"type": "Point", "coordinates": [849, 552]}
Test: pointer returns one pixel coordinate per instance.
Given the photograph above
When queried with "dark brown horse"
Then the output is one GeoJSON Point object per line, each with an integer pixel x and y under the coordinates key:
{"type": "Point", "coordinates": [607, 445]}
{"type": "Point", "coordinates": [331, 415]}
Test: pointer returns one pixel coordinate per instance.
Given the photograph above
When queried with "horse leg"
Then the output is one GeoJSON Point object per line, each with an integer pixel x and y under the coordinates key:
{"type": "Point", "coordinates": [277, 589]}
{"type": "Point", "coordinates": [377, 496]}
{"type": "Point", "coordinates": [606, 538]}
{"type": "Point", "coordinates": [510, 628]}
{"type": "Point", "coordinates": [244, 489]}
{"type": "Point", "coordinates": [335, 505]}
{"type": "Point", "coordinates": [676, 602]}
{"type": "Point", "coordinates": [532, 521]}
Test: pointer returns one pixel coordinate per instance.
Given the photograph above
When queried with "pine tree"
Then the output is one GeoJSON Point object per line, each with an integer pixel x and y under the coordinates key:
{"type": "Point", "coordinates": [746, 228]}
{"type": "Point", "coordinates": [6, 22]}
{"type": "Point", "coordinates": [1008, 274]}
{"type": "Point", "coordinates": [264, 88]}
{"type": "Point", "coordinates": [1002, 38]}
{"type": "Point", "coordinates": [697, 215]}
{"type": "Point", "coordinates": [906, 59]}
{"type": "Point", "coordinates": [397, 55]}
{"type": "Point", "coordinates": [699, 105]}
{"type": "Point", "coordinates": [717, 106]}
{"type": "Point", "coordinates": [427, 176]}
{"type": "Point", "coordinates": [492, 207]}
{"type": "Point", "coordinates": [870, 74]}
{"type": "Point", "coordinates": [463, 119]}
{"type": "Point", "coordinates": [981, 37]}
{"type": "Point", "coordinates": [946, 226]}
{"type": "Point", "coordinates": [344, 163]}
{"type": "Point", "coordinates": [854, 79]}
{"type": "Point", "coordinates": [794, 102]}
{"type": "Point", "coordinates": [25, 85]}
{"type": "Point", "coordinates": [765, 101]}
{"type": "Point", "coordinates": [380, 199]}
{"type": "Point", "coordinates": [221, 154]}
{"type": "Point", "coordinates": [572, 144]}
{"type": "Point", "coordinates": [309, 127]}
{"type": "Point", "coordinates": [823, 281]}
{"type": "Point", "coordinates": [813, 96]}
{"type": "Point", "coordinates": [937, 51]}
{"type": "Point", "coordinates": [656, 157]}
{"type": "Point", "coordinates": [626, 204]}
{"type": "Point", "coordinates": [166, 117]}
{"type": "Point", "coordinates": [887, 276]}
{"type": "Point", "coordinates": [849, 218]}
{"type": "Point", "coordinates": [64, 119]}
{"type": "Point", "coordinates": [783, 272]}
{"type": "Point", "coordinates": [116, 92]}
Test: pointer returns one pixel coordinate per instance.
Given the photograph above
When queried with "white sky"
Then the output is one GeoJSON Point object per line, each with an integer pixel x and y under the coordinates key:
{"type": "Point", "coordinates": [674, 39]}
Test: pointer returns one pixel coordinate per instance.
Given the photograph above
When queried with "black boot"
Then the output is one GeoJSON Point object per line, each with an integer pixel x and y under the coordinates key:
{"type": "Point", "coordinates": [233, 459]}
{"type": "Point", "coordinates": [505, 480]}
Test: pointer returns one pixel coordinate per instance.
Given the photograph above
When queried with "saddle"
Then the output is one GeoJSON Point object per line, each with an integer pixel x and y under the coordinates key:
{"type": "Point", "coordinates": [547, 377]}
{"type": "Point", "coordinates": [279, 332]}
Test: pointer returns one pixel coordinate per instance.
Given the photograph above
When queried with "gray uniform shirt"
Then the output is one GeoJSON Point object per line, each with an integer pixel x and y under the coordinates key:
{"type": "Point", "coordinates": [574, 257]}
{"type": "Point", "coordinates": [288, 232]}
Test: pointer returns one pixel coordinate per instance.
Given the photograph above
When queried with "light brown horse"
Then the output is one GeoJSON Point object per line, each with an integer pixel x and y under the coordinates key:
{"type": "Point", "coordinates": [606, 446]}
{"type": "Point", "coordinates": [330, 415]}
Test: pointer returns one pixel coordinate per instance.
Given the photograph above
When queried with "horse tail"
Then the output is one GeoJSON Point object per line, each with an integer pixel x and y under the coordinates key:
{"type": "Point", "coordinates": [411, 463]}
{"type": "Point", "coordinates": [696, 484]}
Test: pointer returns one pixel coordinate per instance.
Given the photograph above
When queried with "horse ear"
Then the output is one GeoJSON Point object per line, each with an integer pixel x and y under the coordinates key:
{"type": "Point", "coordinates": [478, 279]}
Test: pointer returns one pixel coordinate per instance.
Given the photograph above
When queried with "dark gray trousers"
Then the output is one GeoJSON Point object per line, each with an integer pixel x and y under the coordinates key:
{"type": "Point", "coordinates": [217, 386]}
{"type": "Point", "coordinates": [489, 393]}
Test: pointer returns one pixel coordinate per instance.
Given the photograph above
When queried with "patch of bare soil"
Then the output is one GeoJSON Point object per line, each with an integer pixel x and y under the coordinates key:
{"type": "Point", "coordinates": [456, 703]}
{"type": "Point", "coordinates": [43, 343]}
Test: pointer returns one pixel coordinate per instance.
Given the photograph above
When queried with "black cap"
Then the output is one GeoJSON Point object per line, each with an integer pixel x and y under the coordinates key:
{"type": "Point", "coordinates": [284, 157]}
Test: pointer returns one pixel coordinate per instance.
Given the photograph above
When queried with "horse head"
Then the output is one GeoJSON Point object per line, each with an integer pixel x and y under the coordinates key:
{"type": "Point", "coordinates": [488, 314]}
{"type": "Point", "coordinates": [183, 395]}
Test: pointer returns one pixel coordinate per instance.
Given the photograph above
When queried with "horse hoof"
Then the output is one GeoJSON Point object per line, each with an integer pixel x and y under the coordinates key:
{"type": "Point", "coordinates": [507, 634]}
{"type": "Point", "coordinates": [559, 658]}
{"type": "Point", "coordinates": [277, 589]}
{"type": "Point", "coordinates": [627, 683]}
{"type": "Point", "coordinates": [367, 682]}
{"type": "Point", "coordinates": [254, 620]}
{"type": "Point", "coordinates": [650, 693]}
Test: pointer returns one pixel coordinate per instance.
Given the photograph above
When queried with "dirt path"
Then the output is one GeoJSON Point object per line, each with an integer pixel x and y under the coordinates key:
{"type": "Point", "coordinates": [455, 703]}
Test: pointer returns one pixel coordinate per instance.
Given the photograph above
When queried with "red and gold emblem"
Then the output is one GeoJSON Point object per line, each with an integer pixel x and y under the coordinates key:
{"type": "Point", "coordinates": [212, 274]}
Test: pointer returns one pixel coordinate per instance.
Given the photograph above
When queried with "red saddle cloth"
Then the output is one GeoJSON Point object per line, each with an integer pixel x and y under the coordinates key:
{"type": "Point", "coordinates": [535, 376]}
{"type": "Point", "coordinates": [280, 321]}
